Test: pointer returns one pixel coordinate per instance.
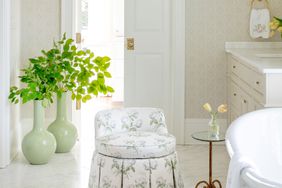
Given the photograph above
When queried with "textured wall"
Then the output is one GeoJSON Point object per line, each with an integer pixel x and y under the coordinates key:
{"type": "Point", "coordinates": [209, 24]}
{"type": "Point", "coordinates": [40, 24]}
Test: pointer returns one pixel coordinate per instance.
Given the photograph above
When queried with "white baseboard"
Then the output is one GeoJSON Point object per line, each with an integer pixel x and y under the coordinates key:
{"type": "Point", "coordinates": [195, 125]}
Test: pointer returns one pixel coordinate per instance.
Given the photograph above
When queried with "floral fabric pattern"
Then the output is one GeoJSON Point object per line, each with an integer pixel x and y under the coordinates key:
{"type": "Point", "coordinates": [137, 144]}
{"type": "Point", "coordinates": [135, 173]}
{"type": "Point", "coordinates": [134, 150]}
{"type": "Point", "coordinates": [112, 121]}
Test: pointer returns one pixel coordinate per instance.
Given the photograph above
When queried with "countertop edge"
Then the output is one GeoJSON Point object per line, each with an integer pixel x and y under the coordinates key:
{"type": "Point", "coordinates": [231, 46]}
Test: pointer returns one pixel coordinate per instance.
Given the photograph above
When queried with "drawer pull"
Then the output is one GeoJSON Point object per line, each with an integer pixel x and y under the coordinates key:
{"type": "Point", "coordinates": [235, 94]}
{"type": "Point", "coordinates": [245, 101]}
{"type": "Point", "coordinates": [257, 82]}
{"type": "Point", "coordinates": [234, 66]}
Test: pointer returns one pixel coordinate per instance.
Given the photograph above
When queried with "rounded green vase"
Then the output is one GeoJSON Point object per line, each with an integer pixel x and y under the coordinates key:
{"type": "Point", "coordinates": [63, 130]}
{"type": "Point", "coordinates": [39, 145]}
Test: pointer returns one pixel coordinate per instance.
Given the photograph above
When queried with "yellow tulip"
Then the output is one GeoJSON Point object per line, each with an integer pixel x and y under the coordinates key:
{"type": "Point", "coordinates": [207, 107]}
{"type": "Point", "coordinates": [279, 29]}
{"type": "Point", "coordinates": [222, 108]}
{"type": "Point", "coordinates": [274, 24]}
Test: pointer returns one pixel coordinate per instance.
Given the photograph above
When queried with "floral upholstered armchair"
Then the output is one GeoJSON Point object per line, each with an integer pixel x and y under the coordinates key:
{"type": "Point", "coordinates": [133, 149]}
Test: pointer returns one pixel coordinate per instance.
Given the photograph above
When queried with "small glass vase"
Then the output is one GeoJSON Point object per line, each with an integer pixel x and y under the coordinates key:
{"type": "Point", "coordinates": [213, 127]}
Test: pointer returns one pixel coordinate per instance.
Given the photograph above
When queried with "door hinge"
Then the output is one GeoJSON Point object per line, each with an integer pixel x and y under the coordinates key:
{"type": "Point", "coordinates": [130, 43]}
{"type": "Point", "coordinates": [78, 38]}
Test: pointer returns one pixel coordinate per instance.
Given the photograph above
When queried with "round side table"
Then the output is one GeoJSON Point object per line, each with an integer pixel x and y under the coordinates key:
{"type": "Point", "coordinates": [204, 136]}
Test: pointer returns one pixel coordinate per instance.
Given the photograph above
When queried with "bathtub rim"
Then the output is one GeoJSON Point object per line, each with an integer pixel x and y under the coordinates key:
{"type": "Point", "coordinates": [249, 175]}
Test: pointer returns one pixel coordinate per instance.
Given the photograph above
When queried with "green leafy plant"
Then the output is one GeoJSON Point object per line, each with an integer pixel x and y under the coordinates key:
{"type": "Point", "coordinates": [39, 84]}
{"type": "Point", "coordinates": [64, 68]}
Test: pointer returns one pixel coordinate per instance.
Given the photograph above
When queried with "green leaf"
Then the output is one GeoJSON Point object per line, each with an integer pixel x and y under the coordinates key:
{"type": "Point", "coordinates": [107, 74]}
{"type": "Point", "coordinates": [80, 53]}
{"type": "Point", "coordinates": [73, 48]}
{"type": "Point", "coordinates": [78, 97]}
{"type": "Point", "coordinates": [106, 59]}
{"type": "Point", "coordinates": [107, 65]}
{"type": "Point", "coordinates": [95, 92]}
{"type": "Point", "coordinates": [86, 98]}
{"type": "Point", "coordinates": [33, 60]}
{"type": "Point", "coordinates": [110, 89]}
{"type": "Point", "coordinates": [73, 96]}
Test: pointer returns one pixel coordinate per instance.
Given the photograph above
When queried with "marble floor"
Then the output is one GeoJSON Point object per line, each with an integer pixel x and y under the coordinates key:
{"type": "Point", "coordinates": [71, 170]}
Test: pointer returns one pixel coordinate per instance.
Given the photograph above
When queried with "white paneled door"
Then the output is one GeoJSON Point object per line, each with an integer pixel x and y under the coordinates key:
{"type": "Point", "coordinates": [154, 55]}
{"type": "Point", "coordinates": [147, 54]}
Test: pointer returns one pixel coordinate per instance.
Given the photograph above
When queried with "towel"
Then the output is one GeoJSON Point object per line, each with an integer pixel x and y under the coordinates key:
{"type": "Point", "coordinates": [259, 23]}
{"type": "Point", "coordinates": [236, 166]}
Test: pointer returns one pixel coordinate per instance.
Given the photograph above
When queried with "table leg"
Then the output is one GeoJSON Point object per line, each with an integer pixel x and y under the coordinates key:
{"type": "Point", "coordinates": [210, 163]}
{"type": "Point", "coordinates": [211, 183]}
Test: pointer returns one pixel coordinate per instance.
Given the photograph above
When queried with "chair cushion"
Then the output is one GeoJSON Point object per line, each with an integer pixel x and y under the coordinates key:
{"type": "Point", "coordinates": [136, 145]}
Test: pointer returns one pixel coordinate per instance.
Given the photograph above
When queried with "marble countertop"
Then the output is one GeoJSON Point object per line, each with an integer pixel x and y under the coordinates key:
{"type": "Point", "coordinates": [251, 56]}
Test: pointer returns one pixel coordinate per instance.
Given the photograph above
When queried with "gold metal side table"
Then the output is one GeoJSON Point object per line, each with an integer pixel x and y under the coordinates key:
{"type": "Point", "coordinates": [205, 137]}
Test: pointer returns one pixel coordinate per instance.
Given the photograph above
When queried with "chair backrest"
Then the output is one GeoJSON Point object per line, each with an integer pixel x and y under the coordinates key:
{"type": "Point", "coordinates": [112, 121]}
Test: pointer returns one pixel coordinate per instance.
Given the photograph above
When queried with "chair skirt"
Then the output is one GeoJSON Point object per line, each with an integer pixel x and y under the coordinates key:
{"type": "Point", "coordinates": [111, 172]}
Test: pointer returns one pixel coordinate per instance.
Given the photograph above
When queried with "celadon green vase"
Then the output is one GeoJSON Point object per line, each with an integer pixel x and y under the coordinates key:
{"type": "Point", "coordinates": [63, 130]}
{"type": "Point", "coordinates": [38, 145]}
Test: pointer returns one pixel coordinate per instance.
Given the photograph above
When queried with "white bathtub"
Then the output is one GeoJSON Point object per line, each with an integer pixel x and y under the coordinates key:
{"type": "Point", "coordinates": [258, 137]}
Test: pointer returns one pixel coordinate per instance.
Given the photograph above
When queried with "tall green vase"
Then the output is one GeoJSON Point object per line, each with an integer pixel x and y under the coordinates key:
{"type": "Point", "coordinates": [63, 130]}
{"type": "Point", "coordinates": [38, 145]}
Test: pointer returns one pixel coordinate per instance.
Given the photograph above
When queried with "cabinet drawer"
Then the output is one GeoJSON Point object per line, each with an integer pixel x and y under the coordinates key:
{"type": "Point", "coordinates": [252, 78]}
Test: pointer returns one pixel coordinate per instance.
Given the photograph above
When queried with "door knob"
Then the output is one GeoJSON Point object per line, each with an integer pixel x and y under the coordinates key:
{"type": "Point", "coordinates": [130, 43]}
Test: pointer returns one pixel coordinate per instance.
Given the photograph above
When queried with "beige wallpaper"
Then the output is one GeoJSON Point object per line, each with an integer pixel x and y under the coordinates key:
{"type": "Point", "coordinates": [209, 24]}
{"type": "Point", "coordinates": [40, 24]}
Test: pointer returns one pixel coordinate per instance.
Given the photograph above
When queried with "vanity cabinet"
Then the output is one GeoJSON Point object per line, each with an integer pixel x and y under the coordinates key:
{"type": "Point", "coordinates": [250, 89]}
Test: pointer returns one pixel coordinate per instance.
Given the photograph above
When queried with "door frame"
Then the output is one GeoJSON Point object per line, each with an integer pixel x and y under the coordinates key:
{"type": "Point", "coordinates": [177, 100]}
{"type": "Point", "coordinates": [178, 69]}
{"type": "Point", "coordinates": [4, 83]}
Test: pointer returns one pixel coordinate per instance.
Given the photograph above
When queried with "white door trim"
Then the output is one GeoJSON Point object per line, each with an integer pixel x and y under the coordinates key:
{"type": "Point", "coordinates": [4, 83]}
{"type": "Point", "coordinates": [68, 17]}
{"type": "Point", "coordinates": [178, 70]}
{"type": "Point", "coordinates": [68, 20]}
{"type": "Point", "coordinates": [177, 100]}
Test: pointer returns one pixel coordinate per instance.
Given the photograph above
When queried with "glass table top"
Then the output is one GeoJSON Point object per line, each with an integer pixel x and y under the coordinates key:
{"type": "Point", "coordinates": [207, 137]}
